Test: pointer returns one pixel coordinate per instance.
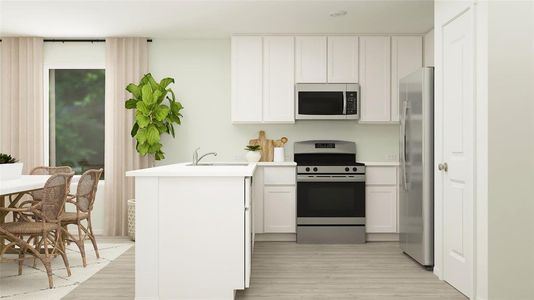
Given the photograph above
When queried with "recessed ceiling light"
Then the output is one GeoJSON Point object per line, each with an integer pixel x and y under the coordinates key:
{"type": "Point", "coordinates": [338, 13]}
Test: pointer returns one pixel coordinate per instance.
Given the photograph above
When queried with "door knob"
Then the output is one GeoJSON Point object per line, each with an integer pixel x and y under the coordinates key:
{"type": "Point", "coordinates": [443, 167]}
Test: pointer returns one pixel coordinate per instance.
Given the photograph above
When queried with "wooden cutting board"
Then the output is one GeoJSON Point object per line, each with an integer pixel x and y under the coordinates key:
{"type": "Point", "coordinates": [267, 147]}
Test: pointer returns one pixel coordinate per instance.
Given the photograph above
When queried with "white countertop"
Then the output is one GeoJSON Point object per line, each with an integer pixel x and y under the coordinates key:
{"type": "Point", "coordinates": [207, 169]}
{"type": "Point", "coordinates": [277, 164]}
{"type": "Point", "coordinates": [381, 163]}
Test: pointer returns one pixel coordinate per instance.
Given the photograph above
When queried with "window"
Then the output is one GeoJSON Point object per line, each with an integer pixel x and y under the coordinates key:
{"type": "Point", "coordinates": [76, 118]}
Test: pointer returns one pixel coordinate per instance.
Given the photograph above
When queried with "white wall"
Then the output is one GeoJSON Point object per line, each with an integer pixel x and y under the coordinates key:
{"type": "Point", "coordinates": [428, 49]}
{"type": "Point", "coordinates": [511, 149]}
{"type": "Point", "coordinates": [201, 69]}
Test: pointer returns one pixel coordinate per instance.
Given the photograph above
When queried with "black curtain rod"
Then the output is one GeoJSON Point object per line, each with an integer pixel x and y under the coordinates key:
{"type": "Point", "coordinates": [74, 41]}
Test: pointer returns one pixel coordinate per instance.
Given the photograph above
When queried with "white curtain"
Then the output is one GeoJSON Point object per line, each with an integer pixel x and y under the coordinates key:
{"type": "Point", "coordinates": [126, 62]}
{"type": "Point", "coordinates": [21, 100]}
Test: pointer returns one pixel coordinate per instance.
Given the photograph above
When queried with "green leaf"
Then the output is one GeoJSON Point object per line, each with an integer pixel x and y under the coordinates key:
{"type": "Point", "coordinates": [166, 81]}
{"type": "Point", "coordinates": [148, 96]}
{"type": "Point", "coordinates": [161, 112]}
{"type": "Point", "coordinates": [135, 128]}
{"type": "Point", "coordinates": [155, 148]}
{"type": "Point", "coordinates": [141, 119]}
{"type": "Point", "coordinates": [176, 107]}
{"type": "Point", "coordinates": [143, 148]}
{"type": "Point", "coordinates": [142, 107]}
{"type": "Point", "coordinates": [158, 96]}
{"type": "Point", "coordinates": [140, 136]}
{"type": "Point", "coordinates": [152, 135]}
{"type": "Point", "coordinates": [130, 103]}
{"type": "Point", "coordinates": [134, 89]}
{"type": "Point", "coordinates": [144, 80]}
{"type": "Point", "coordinates": [153, 83]}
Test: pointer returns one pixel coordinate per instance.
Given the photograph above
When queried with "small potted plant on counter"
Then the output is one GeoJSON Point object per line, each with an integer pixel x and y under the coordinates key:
{"type": "Point", "coordinates": [9, 167]}
{"type": "Point", "coordinates": [253, 153]}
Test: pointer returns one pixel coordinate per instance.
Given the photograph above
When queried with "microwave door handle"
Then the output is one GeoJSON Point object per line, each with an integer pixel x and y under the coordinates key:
{"type": "Point", "coordinates": [344, 103]}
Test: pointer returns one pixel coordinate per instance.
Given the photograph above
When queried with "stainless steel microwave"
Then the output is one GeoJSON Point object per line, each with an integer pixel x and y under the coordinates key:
{"type": "Point", "coordinates": [327, 101]}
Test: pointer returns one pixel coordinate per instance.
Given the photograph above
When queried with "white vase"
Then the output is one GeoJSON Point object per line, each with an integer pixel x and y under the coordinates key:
{"type": "Point", "coordinates": [253, 156]}
{"type": "Point", "coordinates": [279, 154]}
{"type": "Point", "coordinates": [10, 171]}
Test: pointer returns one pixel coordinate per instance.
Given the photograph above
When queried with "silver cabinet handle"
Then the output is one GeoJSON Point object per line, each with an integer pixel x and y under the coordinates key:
{"type": "Point", "coordinates": [443, 167]}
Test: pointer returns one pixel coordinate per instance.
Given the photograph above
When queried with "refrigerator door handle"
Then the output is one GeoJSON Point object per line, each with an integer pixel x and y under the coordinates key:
{"type": "Point", "coordinates": [403, 158]}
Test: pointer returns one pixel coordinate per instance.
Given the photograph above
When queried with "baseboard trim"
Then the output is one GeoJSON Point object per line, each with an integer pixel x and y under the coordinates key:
{"type": "Point", "coordinates": [276, 237]}
{"type": "Point", "coordinates": [382, 237]}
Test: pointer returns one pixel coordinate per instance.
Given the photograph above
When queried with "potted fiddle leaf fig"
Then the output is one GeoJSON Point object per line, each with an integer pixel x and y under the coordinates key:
{"type": "Point", "coordinates": [156, 113]}
{"type": "Point", "coordinates": [9, 167]}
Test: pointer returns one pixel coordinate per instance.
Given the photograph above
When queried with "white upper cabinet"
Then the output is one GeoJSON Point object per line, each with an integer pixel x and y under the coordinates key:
{"type": "Point", "coordinates": [342, 59]}
{"type": "Point", "coordinates": [375, 78]}
{"type": "Point", "coordinates": [278, 79]}
{"type": "Point", "coordinates": [311, 59]}
{"type": "Point", "coordinates": [407, 56]}
{"type": "Point", "coordinates": [247, 80]}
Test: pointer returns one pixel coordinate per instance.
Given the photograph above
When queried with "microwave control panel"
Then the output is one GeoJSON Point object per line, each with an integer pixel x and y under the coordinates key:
{"type": "Point", "coordinates": [352, 103]}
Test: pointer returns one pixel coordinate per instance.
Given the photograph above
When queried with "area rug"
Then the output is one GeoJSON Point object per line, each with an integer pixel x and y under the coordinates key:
{"type": "Point", "coordinates": [33, 283]}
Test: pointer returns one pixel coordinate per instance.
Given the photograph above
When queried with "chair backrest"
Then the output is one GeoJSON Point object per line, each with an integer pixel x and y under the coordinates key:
{"type": "Point", "coordinates": [44, 170]}
{"type": "Point", "coordinates": [86, 192]}
{"type": "Point", "coordinates": [54, 196]}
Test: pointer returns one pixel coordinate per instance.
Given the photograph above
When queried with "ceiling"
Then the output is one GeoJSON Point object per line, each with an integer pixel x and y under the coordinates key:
{"type": "Point", "coordinates": [209, 19]}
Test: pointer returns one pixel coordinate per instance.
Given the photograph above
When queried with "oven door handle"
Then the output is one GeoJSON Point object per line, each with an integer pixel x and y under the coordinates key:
{"type": "Point", "coordinates": [328, 178]}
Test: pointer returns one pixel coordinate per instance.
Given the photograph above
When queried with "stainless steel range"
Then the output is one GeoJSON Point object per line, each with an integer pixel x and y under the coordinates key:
{"type": "Point", "coordinates": [330, 193]}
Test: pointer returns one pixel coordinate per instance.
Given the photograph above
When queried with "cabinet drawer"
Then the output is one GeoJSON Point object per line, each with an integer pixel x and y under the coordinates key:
{"type": "Point", "coordinates": [381, 176]}
{"type": "Point", "coordinates": [279, 175]}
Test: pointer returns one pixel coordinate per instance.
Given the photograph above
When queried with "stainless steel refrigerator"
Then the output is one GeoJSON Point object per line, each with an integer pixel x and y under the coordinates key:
{"type": "Point", "coordinates": [416, 197]}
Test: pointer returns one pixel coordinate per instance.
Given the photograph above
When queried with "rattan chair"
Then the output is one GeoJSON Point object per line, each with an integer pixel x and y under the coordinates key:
{"type": "Point", "coordinates": [46, 232]}
{"type": "Point", "coordinates": [44, 170]}
{"type": "Point", "coordinates": [83, 200]}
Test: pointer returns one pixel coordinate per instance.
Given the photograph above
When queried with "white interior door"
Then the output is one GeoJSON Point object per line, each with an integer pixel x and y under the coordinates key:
{"type": "Point", "coordinates": [457, 163]}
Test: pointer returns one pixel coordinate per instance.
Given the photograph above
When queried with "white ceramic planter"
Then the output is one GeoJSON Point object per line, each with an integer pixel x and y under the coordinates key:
{"type": "Point", "coordinates": [10, 171]}
{"type": "Point", "coordinates": [253, 156]}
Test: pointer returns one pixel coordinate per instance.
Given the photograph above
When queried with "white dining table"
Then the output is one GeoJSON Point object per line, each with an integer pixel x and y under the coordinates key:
{"type": "Point", "coordinates": [13, 190]}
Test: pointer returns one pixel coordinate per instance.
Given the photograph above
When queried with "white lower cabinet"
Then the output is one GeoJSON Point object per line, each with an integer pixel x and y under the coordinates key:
{"type": "Point", "coordinates": [381, 209]}
{"type": "Point", "coordinates": [381, 199]}
{"type": "Point", "coordinates": [275, 200]}
{"type": "Point", "coordinates": [279, 209]}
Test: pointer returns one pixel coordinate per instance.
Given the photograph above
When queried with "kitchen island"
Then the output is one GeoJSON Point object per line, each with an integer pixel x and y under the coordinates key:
{"type": "Point", "coordinates": [193, 230]}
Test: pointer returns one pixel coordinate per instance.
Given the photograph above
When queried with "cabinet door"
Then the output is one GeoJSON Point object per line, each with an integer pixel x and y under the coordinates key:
{"type": "Point", "coordinates": [278, 79]}
{"type": "Point", "coordinates": [381, 209]}
{"type": "Point", "coordinates": [311, 59]}
{"type": "Point", "coordinates": [342, 59]}
{"type": "Point", "coordinates": [279, 203]}
{"type": "Point", "coordinates": [247, 69]}
{"type": "Point", "coordinates": [407, 56]}
{"type": "Point", "coordinates": [375, 71]}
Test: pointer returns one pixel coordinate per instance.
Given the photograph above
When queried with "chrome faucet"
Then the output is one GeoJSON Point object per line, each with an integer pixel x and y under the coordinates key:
{"type": "Point", "coordinates": [197, 159]}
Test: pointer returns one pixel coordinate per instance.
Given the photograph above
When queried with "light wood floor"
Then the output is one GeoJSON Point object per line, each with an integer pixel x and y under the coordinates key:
{"type": "Point", "coordinates": [280, 270]}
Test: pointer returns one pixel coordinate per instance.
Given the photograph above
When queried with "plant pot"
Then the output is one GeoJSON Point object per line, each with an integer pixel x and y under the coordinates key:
{"type": "Point", "coordinates": [10, 171]}
{"type": "Point", "coordinates": [253, 156]}
{"type": "Point", "coordinates": [131, 219]}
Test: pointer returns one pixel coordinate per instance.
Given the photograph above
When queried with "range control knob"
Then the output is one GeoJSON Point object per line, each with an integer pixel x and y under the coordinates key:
{"type": "Point", "coordinates": [347, 169]}
{"type": "Point", "coordinates": [354, 169]}
{"type": "Point", "coordinates": [307, 169]}
{"type": "Point", "coordinates": [315, 169]}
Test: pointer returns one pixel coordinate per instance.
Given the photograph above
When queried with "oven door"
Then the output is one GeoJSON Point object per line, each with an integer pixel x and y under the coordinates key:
{"type": "Point", "coordinates": [330, 199]}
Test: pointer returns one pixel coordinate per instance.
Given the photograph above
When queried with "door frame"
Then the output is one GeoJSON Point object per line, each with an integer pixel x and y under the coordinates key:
{"type": "Point", "coordinates": [444, 12]}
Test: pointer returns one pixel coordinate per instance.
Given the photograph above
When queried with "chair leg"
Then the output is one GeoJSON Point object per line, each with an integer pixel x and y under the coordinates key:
{"type": "Point", "coordinates": [62, 249]}
{"type": "Point", "coordinates": [46, 260]}
{"type": "Point", "coordinates": [92, 236]}
{"type": "Point", "coordinates": [21, 257]}
{"type": "Point", "coordinates": [81, 243]}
